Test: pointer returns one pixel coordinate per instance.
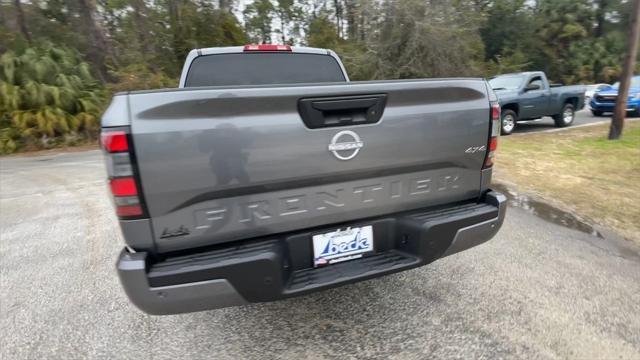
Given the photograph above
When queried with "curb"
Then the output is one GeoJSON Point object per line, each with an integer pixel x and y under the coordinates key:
{"type": "Point", "coordinates": [601, 236]}
{"type": "Point", "coordinates": [569, 127]}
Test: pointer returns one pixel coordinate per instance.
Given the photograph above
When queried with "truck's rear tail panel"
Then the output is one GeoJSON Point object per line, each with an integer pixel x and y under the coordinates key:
{"type": "Point", "coordinates": [219, 165]}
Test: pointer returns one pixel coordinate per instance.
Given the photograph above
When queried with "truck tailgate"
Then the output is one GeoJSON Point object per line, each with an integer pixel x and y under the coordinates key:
{"type": "Point", "coordinates": [218, 165]}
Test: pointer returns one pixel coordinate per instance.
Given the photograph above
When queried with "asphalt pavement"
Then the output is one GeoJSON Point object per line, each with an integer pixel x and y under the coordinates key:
{"type": "Point", "coordinates": [537, 290]}
{"type": "Point", "coordinates": [583, 117]}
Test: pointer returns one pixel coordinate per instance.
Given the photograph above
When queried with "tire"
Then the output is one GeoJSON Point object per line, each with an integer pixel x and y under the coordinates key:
{"type": "Point", "coordinates": [508, 121]}
{"type": "Point", "coordinates": [566, 117]}
{"type": "Point", "coordinates": [596, 112]}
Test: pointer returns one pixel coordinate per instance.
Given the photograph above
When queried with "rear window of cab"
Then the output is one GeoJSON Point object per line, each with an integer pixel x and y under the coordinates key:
{"type": "Point", "coordinates": [262, 68]}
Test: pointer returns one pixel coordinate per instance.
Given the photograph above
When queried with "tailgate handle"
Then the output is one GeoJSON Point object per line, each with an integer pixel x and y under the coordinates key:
{"type": "Point", "coordinates": [342, 110]}
{"type": "Point", "coordinates": [328, 105]}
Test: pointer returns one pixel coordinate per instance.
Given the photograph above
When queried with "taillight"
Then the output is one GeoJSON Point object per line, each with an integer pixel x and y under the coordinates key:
{"type": "Point", "coordinates": [114, 141]}
{"type": "Point", "coordinates": [267, 47]}
{"type": "Point", "coordinates": [493, 137]}
{"type": "Point", "coordinates": [129, 211]}
{"type": "Point", "coordinates": [495, 111]}
{"type": "Point", "coordinates": [123, 186]}
{"type": "Point", "coordinates": [120, 169]}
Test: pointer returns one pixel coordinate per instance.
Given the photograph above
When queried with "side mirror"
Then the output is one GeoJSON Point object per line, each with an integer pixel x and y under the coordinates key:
{"type": "Point", "coordinates": [532, 87]}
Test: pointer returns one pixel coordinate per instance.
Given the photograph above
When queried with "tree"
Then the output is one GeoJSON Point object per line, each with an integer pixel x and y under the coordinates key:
{"type": "Point", "coordinates": [179, 28]}
{"type": "Point", "coordinates": [99, 48]}
{"type": "Point", "coordinates": [560, 24]}
{"type": "Point", "coordinates": [288, 14]}
{"type": "Point", "coordinates": [322, 33]}
{"type": "Point", "coordinates": [417, 40]}
{"type": "Point", "coordinates": [258, 17]}
{"type": "Point", "coordinates": [138, 44]}
{"type": "Point", "coordinates": [214, 27]}
{"type": "Point", "coordinates": [339, 15]}
{"type": "Point", "coordinates": [198, 24]}
{"type": "Point", "coordinates": [226, 5]}
{"type": "Point", "coordinates": [617, 122]}
{"type": "Point", "coordinates": [46, 92]}
{"type": "Point", "coordinates": [143, 31]}
{"type": "Point", "coordinates": [22, 24]}
{"type": "Point", "coordinates": [509, 28]}
{"type": "Point", "coordinates": [352, 9]}
{"type": "Point", "coordinates": [600, 15]}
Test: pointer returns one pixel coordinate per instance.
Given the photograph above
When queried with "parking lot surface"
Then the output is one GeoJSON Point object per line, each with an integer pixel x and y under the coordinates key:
{"type": "Point", "coordinates": [537, 290]}
{"type": "Point", "coordinates": [583, 117]}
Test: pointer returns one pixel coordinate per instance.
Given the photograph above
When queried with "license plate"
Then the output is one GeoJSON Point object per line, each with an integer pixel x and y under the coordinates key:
{"type": "Point", "coordinates": [342, 245]}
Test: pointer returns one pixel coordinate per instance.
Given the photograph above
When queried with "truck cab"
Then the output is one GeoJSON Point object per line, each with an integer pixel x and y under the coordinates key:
{"type": "Point", "coordinates": [264, 64]}
{"type": "Point", "coordinates": [536, 96]}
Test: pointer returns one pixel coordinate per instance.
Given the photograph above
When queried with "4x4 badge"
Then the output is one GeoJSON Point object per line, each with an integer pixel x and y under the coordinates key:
{"type": "Point", "coordinates": [475, 149]}
{"type": "Point", "coordinates": [181, 231]}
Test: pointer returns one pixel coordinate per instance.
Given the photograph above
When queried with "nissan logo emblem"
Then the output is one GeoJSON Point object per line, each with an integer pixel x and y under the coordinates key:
{"type": "Point", "coordinates": [345, 145]}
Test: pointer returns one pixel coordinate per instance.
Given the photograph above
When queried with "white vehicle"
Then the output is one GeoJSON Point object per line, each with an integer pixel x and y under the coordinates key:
{"type": "Point", "coordinates": [592, 89]}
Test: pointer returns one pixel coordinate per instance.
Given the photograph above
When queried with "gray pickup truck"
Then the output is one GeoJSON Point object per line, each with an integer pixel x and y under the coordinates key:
{"type": "Point", "coordinates": [529, 96]}
{"type": "Point", "coordinates": [268, 175]}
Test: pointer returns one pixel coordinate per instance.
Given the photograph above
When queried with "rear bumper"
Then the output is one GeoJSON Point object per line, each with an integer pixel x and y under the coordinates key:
{"type": "Point", "coordinates": [278, 267]}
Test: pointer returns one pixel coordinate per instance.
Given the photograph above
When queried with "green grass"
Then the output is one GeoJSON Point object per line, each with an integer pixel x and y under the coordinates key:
{"type": "Point", "coordinates": [582, 169]}
{"type": "Point", "coordinates": [630, 139]}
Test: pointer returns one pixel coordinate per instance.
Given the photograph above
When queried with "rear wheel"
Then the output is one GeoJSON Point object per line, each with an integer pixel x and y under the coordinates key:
{"type": "Point", "coordinates": [509, 119]}
{"type": "Point", "coordinates": [596, 113]}
{"type": "Point", "coordinates": [565, 118]}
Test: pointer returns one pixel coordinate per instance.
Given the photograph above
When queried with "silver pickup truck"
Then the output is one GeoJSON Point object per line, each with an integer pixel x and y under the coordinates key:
{"type": "Point", "coordinates": [268, 175]}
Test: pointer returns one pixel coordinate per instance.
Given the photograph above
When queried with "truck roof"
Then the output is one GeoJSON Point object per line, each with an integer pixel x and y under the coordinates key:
{"type": "Point", "coordinates": [521, 73]}
{"type": "Point", "coordinates": [241, 49]}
